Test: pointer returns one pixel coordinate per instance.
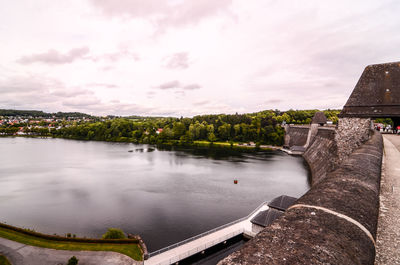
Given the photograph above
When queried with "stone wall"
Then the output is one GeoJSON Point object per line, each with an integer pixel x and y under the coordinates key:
{"type": "Point", "coordinates": [329, 148]}
{"type": "Point", "coordinates": [350, 134]}
{"type": "Point", "coordinates": [333, 223]}
{"type": "Point", "coordinates": [321, 155]}
{"type": "Point", "coordinates": [296, 135]}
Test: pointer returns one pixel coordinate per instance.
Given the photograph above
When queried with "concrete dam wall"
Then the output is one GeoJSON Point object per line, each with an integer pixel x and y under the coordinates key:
{"type": "Point", "coordinates": [296, 135]}
{"type": "Point", "coordinates": [321, 156]}
{"type": "Point", "coordinates": [335, 221]}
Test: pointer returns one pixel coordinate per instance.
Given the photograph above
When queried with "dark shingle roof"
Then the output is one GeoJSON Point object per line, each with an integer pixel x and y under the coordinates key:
{"type": "Point", "coordinates": [265, 218]}
{"type": "Point", "coordinates": [282, 202]}
{"type": "Point", "coordinates": [319, 117]}
{"type": "Point", "coordinates": [377, 93]}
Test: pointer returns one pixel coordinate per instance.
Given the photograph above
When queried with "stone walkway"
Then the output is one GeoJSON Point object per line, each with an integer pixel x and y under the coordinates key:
{"type": "Point", "coordinates": [388, 234]}
{"type": "Point", "coordinates": [20, 254]}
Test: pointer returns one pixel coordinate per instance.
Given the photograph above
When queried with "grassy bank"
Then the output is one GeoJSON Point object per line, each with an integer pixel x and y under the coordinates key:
{"type": "Point", "coordinates": [132, 250]}
{"type": "Point", "coordinates": [221, 145]}
{"type": "Point", "coordinates": [4, 261]}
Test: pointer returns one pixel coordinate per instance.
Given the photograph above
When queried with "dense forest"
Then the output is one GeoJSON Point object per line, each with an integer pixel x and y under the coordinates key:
{"type": "Point", "coordinates": [261, 127]}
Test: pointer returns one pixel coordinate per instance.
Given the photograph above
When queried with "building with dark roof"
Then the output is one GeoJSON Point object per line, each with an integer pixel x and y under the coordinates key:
{"type": "Point", "coordinates": [264, 219]}
{"type": "Point", "coordinates": [282, 202]}
{"type": "Point", "coordinates": [377, 93]}
{"type": "Point", "coordinates": [319, 118]}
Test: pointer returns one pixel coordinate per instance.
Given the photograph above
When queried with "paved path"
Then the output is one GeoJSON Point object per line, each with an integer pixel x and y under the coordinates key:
{"type": "Point", "coordinates": [20, 254]}
{"type": "Point", "coordinates": [388, 234]}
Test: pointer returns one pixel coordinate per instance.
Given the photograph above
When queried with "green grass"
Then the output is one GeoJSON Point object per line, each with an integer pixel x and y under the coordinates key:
{"type": "Point", "coordinates": [4, 261]}
{"type": "Point", "coordinates": [131, 250]}
{"type": "Point", "coordinates": [228, 144]}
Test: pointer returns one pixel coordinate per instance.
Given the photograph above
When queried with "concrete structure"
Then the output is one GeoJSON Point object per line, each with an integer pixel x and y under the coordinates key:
{"type": "Point", "coordinates": [197, 244]}
{"type": "Point", "coordinates": [336, 228]}
{"type": "Point", "coordinates": [388, 234]}
{"type": "Point", "coordinates": [299, 137]}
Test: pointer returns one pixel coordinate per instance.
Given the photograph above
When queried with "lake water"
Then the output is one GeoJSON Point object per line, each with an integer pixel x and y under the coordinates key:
{"type": "Point", "coordinates": [66, 186]}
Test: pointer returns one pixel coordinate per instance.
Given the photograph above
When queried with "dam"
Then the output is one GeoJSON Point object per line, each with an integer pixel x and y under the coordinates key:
{"type": "Point", "coordinates": [336, 221]}
{"type": "Point", "coordinates": [350, 213]}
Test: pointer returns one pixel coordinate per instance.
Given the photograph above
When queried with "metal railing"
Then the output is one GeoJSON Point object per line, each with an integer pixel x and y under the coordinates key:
{"type": "Point", "coordinates": [157, 252]}
{"type": "Point", "coordinates": [197, 249]}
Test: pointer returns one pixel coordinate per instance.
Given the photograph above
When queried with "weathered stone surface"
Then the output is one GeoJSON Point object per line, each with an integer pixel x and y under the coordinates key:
{"type": "Point", "coordinates": [321, 154]}
{"type": "Point", "coordinates": [306, 236]}
{"type": "Point", "coordinates": [312, 236]}
{"type": "Point", "coordinates": [350, 134]}
{"type": "Point", "coordinates": [297, 135]}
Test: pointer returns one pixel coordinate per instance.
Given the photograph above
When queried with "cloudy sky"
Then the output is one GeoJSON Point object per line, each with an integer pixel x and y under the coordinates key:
{"type": "Point", "coordinates": [188, 57]}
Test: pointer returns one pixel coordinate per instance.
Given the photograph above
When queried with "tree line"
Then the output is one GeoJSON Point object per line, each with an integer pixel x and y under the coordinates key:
{"type": "Point", "coordinates": [262, 127]}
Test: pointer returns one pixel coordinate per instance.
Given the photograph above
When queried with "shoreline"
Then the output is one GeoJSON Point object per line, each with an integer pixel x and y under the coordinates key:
{"type": "Point", "coordinates": [177, 143]}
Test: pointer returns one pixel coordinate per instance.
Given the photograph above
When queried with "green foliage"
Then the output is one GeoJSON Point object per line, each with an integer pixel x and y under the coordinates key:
{"type": "Point", "coordinates": [47, 241]}
{"type": "Point", "coordinates": [114, 233]}
{"type": "Point", "coordinates": [385, 121]}
{"type": "Point", "coordinates": [73, 261]}
{"type": "Point", "coordinates": [211, 137]}
{"type": "Point", "coordinates": [4, 261]}
{"type": "Point", "coordinates": [264, 127]}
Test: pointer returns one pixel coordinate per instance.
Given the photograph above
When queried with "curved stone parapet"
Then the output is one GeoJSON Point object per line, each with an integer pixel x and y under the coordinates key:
{"type": "Point", "coordinates": [333, 223]}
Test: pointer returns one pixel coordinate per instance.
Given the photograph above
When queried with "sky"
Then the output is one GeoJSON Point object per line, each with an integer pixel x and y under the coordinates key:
{"type": "Point", "coordinates": [190, 57]}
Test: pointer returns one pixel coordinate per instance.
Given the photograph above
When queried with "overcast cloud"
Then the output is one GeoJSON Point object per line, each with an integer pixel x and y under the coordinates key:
{"type": "Point", "coordinates": [183, 58]}
{"type": "Point", "coordinates": [54, 57]}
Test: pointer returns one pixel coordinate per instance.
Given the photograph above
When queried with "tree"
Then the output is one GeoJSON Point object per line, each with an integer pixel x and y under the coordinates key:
{"type": "Point", "coordinates": [178, 129]}
{"type": "Point", "coordinates": [73, 261]}
{"type": "Point", "coordinates": [114, 233]}
{"type": "Point", "coordinates": [224, 132]}
{"type": "Point", "coordinates": [211, 137]}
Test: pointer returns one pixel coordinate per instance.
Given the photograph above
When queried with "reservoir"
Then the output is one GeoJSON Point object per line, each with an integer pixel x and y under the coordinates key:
{"type": "Point", "coordinates": [66, 186]}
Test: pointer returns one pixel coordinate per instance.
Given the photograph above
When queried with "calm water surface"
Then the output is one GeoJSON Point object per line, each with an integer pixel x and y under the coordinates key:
{"type": "Point", "coordinates": [65, 186]}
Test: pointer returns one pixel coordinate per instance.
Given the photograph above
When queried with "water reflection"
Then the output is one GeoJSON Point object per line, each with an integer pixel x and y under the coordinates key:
{"type": "Point", "coordinates": [165, 195]}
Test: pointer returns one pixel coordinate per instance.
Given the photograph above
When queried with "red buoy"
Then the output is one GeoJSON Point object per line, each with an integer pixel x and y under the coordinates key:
{"type": "Point", "coordinates": [235, 181]}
